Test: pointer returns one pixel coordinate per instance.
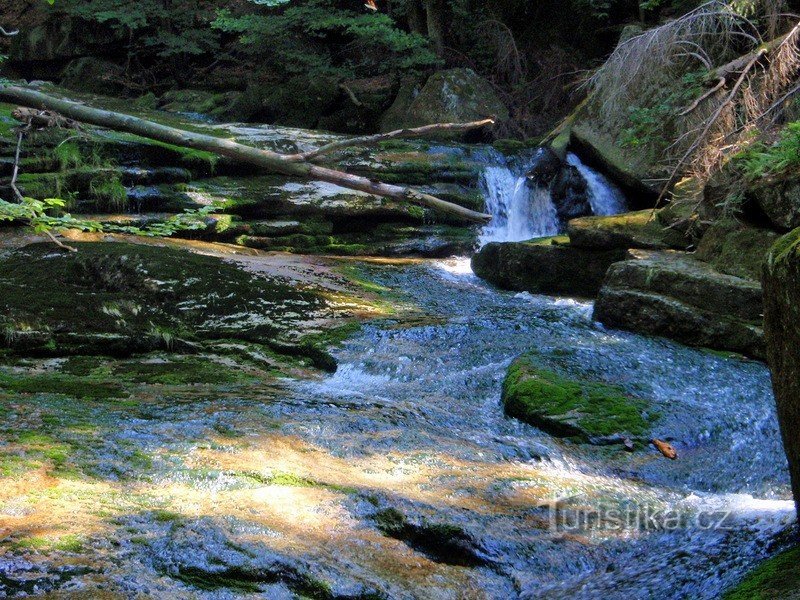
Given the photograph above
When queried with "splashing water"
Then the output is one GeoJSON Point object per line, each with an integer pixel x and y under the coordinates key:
{"type": "Point", "coordinates": [605, 197]}
{"type": "Point", "coordinates": [522, 212]}
{"type": "Point", "coordinates": [518, 212]}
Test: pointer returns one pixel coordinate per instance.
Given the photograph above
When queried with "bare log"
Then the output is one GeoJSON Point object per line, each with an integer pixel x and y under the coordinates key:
{"type": "Point", "coordinates": [417, 132]}
{"type": "Point", "coordinates": [265, 159]}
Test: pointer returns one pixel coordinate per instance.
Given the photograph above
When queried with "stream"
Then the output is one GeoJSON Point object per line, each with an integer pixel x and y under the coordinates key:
{"type": "Point", "coordinates": [400, 476]}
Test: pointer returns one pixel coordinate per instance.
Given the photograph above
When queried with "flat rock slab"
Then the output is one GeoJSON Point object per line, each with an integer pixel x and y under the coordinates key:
{"type": "Point", "coordinates": [640, 229]}
{"type": "Point", "coordinates": [674, 295]}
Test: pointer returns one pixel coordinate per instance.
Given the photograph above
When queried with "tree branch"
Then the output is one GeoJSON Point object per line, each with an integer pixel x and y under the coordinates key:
{"type": "Point", "coordinates": [418, 132]}
{"type": "Point", "coordinates": [265, 159]}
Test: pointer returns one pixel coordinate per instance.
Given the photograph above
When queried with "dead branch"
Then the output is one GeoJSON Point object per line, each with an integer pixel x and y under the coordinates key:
{"type": "Point", "coordinates": [368, 140]}
{"type": "Point", "coordinates": [720, 84]}
{"type": "Point", "coordinates": [710, 123]}
{"type": "Point", "coordinates": [350, 94]}
{"type": "Point", "coordinates": [42, 119]}
{"type": "Point", "coordinates": [265, 159]}
{"type": "Point", "coordinates": [20, 197]}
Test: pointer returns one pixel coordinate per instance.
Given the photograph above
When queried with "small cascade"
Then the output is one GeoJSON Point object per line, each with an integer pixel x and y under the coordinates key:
{"type": "Point", "coordinates": [518, 211]}
{"type": "Point", "coordinates": [605, 198]}
{"type": "Point", "coordinates": [522, 210]}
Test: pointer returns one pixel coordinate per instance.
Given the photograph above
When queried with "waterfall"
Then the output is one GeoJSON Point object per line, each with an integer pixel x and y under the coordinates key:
{"type": "Point", "coordinates": [522, 211]}
{"type": "Point", "coordinates": [518, 212]}
{"type": "Point", "coordinates": [605, 198]}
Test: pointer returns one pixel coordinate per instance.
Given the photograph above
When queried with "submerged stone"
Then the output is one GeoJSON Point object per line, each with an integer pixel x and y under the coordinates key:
{"type": "Point", "coordinates": [119, 298]}
{"type": "Point", "coordinates": [583, 410]}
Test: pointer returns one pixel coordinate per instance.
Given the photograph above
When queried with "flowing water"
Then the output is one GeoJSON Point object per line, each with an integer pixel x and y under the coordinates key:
{"type": "Point", "coordinates": [522, 211]}
{"type": "Point", "coordinates": [412, 422]}
{"type": "Point", "coordinates": [435, 390]}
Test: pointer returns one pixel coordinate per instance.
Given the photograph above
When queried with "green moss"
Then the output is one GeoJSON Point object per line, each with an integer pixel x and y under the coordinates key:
{"type": "Point", "coordinates": [568, 407]}
{"type": "Point", "coordinates": [778, 577]}
{"type": "Point", "coordinates": [64, 543]}
{"type": "Point", "coordinates": [177, 371]}
{"type": "Point", "coordinates": [76, 387]}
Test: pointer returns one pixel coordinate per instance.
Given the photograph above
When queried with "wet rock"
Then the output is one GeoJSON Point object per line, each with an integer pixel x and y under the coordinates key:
{"type": "Point", "coordinates": [451, 96]}
{"type": "Point", "coordinates": [639, 229]}
{"type": "Point", "coordinates": [442, 542]}
{"type": "Point", "coordinates": [118, 299]}
{"type": "Point", "coordinates": [675, 296]}
{"type": "Point", "coordinates": [545, 266]}
{"type": "Point", "coordinates": [545, 165]}
{"type": "Point", "coordinates": [197, 102]}
{"type": "Point", "coordinates": [212, 556]}
{"type": "Point", "coordinates": [736, 249]}
{"type": "Point", "coordinates": [570, 194]}
{"type": "Point", "coordinates": [298, 102]}
{"type": "Point", "coordinates": [782, 325]}
{"type": "Point", "coordinates": [585, 411]}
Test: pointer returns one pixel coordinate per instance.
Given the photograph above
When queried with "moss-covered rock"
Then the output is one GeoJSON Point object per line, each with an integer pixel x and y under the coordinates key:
{"type": "Point", "coordinates": [673, 295]}
{"type": "Point", "coordinates": [117, 298]}
{"type": "Point", "coordinates": [583, 410]}
{"type": "Point", "coordinates": [778, 577]}
{"type": "Point", "coordinates": [545, 266]}
{"type": "Point", "coordinates": [779, 200]}
{"type": "Point", "coordinates": [639, 229]}
{"type": "Point", "coordinates": [782, 325]}
{"type": "Point", "coordinates": [451, 96]}
{"type": "Point", "coordinates": [736, 249]}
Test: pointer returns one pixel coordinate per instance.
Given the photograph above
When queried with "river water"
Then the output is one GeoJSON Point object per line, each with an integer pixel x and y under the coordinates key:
{"type": "Point", "coordinates": [434, 389]}
{"type": "Point", "coordinates": [283, 482]}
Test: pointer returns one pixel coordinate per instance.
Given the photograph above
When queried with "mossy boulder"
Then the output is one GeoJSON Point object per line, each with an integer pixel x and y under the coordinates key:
{"type": "Point", "coordinates": [673, 295]}
{"type": "Point", "coordinates": [119, 298]}
{"type": "Point", "coordinates": [583, 410]}
{"type": "Point", "coordinates": [782, 325]}
{"type": "Point", "coordinates": [546, 266]}
{"type": "Point", "coordinates": [639, 229]}
{"type": "Point", "coordinates": [779, 200]}
{"type": "Point", "coordinates": [298, 102]}
{"type": "Point", "coordinates": [736, 249]}
{"type": "Point", "coordinates": [451, 96]}
{"type": "Point", "coordinates": [197, 102]}
{"type": "Point", "coordinates": [778, 577]}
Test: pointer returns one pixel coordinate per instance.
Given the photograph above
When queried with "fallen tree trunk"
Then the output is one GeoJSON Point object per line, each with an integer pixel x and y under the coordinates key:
{"type": "Point", "coordinates": [265, 159]}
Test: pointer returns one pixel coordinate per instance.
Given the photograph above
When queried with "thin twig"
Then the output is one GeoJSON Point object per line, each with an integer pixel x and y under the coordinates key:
{"type": "Point", "coordinates": [417, 132]}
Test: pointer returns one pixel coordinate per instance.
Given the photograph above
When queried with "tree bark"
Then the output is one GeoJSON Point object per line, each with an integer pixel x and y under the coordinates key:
{"type": "Point", "coordinates": [435, 10]}
{"type": "Point", "coordinates": [265, 159]}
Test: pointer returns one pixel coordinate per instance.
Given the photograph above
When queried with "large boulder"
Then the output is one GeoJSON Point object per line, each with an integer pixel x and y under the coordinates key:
{"type": "Point", "coordinates": [782, 326]}
{"type": "Point", "coordinates": [451, 96]}
{"type": "Point", "coordinates": [736, 249]}
{"type": "Point", "coordinates": [298, 102]}
{"type": "Point", "coordinates": [779, 201]}
{"type": "Point", "coordinates": [545, 266]}
{"type": "Point", "coordinates": [93, 75]}
{"type": "Point", "coordinates": [43, 50]}
{"type": "Point", "coordinates": [673, 295]}
{"type": "Point", "coordinates": [640, 229]}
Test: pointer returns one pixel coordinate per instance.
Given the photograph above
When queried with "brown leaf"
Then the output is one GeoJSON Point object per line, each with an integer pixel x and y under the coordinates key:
{"type": "Point", "coordinates": [665, 449]}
